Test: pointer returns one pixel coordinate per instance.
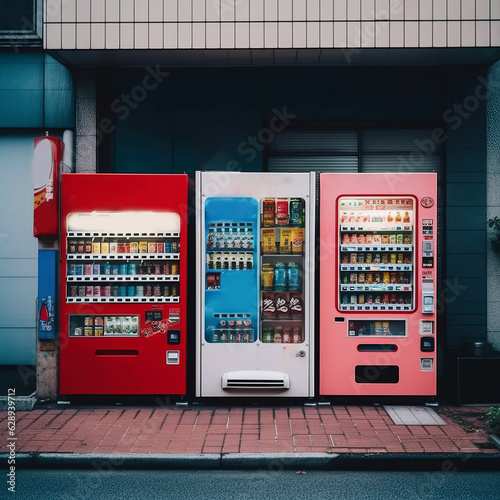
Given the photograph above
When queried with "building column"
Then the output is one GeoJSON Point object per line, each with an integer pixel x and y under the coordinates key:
{"type": "Point", "coordinates": [493, 202]}
{"type": "Point", "coordinates": [86, 120]}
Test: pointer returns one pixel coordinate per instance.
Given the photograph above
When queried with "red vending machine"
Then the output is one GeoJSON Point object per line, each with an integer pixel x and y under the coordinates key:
{"type": "Point", "coordinates": [123, 284]}
{"type": "Point", "coordinates": [378, 284]}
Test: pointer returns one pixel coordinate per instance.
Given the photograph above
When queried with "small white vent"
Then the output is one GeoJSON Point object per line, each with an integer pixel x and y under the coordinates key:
{"type": "Point", "coordinates": [255, 379]}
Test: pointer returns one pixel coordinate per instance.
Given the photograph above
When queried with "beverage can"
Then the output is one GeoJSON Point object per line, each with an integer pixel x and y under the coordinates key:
{"type": "Point", "coordinates": [297, 335]}
{"type": "Point", "coordinates": [394, 278]}
{"type": "Point", "coordinates": [354, 239]}
{"type": "Point", "coordinates": [89, 331]}
{"type": "Point", "coordinates": [369, 278]}
{"type": "Point", "coordinates": [268, 212]}
{"type": "Point", "coordinates": [175, 290]}
{"type": "Point", "coordinates": [131, 268]}
{"type": "Point", "coordinates": [107, 291]}
{"type": "Point", "coordinates": [280, 276]}
{"type": "Point", "coordinates": [139, 290]}
{"type": "Point", "coordinates": [114, 269]}
{"type": "Point", "coordinates": [282, 304]}
{"type": "Point", "coordinates": [361, 278]}
{"type": "Point", "coordinates": [346, 239]}
{"type": "Point", "coordinates": [97, 291]}
{"type": "Point", "coordinates": [354, 258]}
{"type": "Point", "coordinates": [81, 291]}
{"type": "Point", "coordinates": [143, 247]}
{"type": "Point", "coordinates": [369, 258]}
{"type": "Point", "coordinates": [295, 305]}
{"type": "Point", "coordinates": [130, 290]}
{"type": "Point", "coordinates": [361, 258]}
{"type": "Point", "coordinates": [294, 276]}
{"type": "Point", "coordinates": [72, 246]}
{"type": "Point", "coordinates": [392, 239]}
{"type": "Point", "coordinates": [399, 259]}
{"type": "Point", "coordinates": [157, 291]}
{"type": "Point", "coordinates": [345, 298]}
{"type": "Point", "coordinates": [78, 331]}
{"type": "Point", "coordinates": [282, 214]}
{"type": "Point", "coordinates": [368, 239]}
{"type": "Point", "coordinates": [151, 247]}
{"type": "Point", "coordinates": [353, 299]}
{"type": "Point", "coordinates": [386, 278]}
{"type": "Point", "coordinates": [399, 239]}
{"type": "Point", "coordinates": [268, 335]}
{"type": "Point", "coordinates": [407, 239]}
{"type": "Point", "coordinates": [160, 247]}
{"type": "Point", "coordinates": [175, 269]}
{"type": "Point", "coordinates": [96, 247]}
{"type": "Point", "coordinates": [166, 290]}
{"type": "Point", "coordinates": [71, 269]}
{"type": "Point", "coordinates": [134, 247]}
{"type": "Point", "coordinates": [96, 269]}
{"type": "Point", "coordinates": [285, 240]}
{"type": "Point", "coordinates": [385, 258]}
{"type": "Point", "coordinates": [376, 277]}
{"type": "Point", "coordinates": [278, 335]}
{"type": "Point", "coordinates": [122, 269]}
{"type": "Point", "coordinates": [361, 239]}
{"type": "Point", "coordinates": [296, 212]}
{"type": "Point", "coordinates": [376, 258]}
{"type": "Point", "coordinates": [267, 277]}
{"type": "Point", "coordinates": [74, 291]}
{"type": "Point", "coordinates": [393, 258]}
{"type": "Point", "coordinates": [88, 246]}
{"type": "Point", "coordinates": [120, 247]}
{"type": "Point", "coordinates": [78, 269]}
{"type": "Point", "coordinates": [268, 240]}
{"type": "Point", "coordinates": [113, 247]}
{"type": "Point", "coordinates": [268, 308]}
{"type": "Point", "coordinates": [88, 269]}
{"type": "Point", "coordinates": [122, 291]}
{"type": "Point", "coordinates": [353, 278]}
{"type": "Point", "coordinates": [80, 247]}
{"type": "Point", "coordinates": [167, 246]}
{"type": "Point", "coordinates": [361, 298]}
{"type": "Point", "coordinates": [345, 259]}
{"type": "Point", "coordinates": [127, 247]}
{"type": "Point", "coordinates": [287, 335]}
{"type": "Point", "coordinates": [166, 266]}
{"type": "Point", "coordinates": [175, 247]}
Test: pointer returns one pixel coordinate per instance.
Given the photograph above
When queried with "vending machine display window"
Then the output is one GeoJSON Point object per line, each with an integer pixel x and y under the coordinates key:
{"type": "Point", "coordinates": [103, 325]}
{"type": "Point", "coordinates": [109, 262]}
{"type": "Point", "coordinates": [282, 270]}
{"type": "Point", "coordinates": [376, 328]}
{"type": "Point", "coordinates": [376, 267]}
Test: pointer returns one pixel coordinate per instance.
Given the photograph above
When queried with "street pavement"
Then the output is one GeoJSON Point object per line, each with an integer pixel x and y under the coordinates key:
{"type": "Point", "coordinates": [177, 433]}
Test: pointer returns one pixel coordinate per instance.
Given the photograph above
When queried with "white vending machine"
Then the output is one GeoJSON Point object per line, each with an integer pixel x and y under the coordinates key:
{"type": "Point", "coordinates": [255, 284]}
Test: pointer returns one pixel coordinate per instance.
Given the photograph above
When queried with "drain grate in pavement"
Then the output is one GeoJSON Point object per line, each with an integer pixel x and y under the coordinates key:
{"type": "Point", "coordinates": [413, 415]}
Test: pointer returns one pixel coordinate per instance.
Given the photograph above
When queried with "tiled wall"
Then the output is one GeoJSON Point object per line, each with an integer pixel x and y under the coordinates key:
{"type": "Point", "coordinates": [245, 24]}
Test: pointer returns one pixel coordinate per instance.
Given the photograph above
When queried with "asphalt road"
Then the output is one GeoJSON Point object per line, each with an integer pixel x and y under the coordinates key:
{"type": "Point", "coordinates": [249, 485]}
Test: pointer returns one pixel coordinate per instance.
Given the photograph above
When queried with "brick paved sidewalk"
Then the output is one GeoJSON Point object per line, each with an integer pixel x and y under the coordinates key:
{"type": "Point", "coordinates": [335, 429]}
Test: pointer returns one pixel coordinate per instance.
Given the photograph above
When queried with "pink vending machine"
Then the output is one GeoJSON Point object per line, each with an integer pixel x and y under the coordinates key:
{"type": "Point", "coordinates": [378, 284]}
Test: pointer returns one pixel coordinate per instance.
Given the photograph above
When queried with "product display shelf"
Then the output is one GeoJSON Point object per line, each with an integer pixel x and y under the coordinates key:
{"type": "Point", "coordinates": [375, 307]}
{"type": "Point", "coordinates": [123, 277]}
{"type": "Point", "coordinates": [358, 227]}
{"type": "Point", "coordinates": [376, 267]}
{"type": "Point", "coordinates": [123, 256]}
{"type": "Point", "coordinates": [379, 287]}
{"type": "Point", "coordinates": [99, 234]}
{"type": "Point", "coordinates": [138, 300]}
{"type": "Point", "coordinates": [376, 248]}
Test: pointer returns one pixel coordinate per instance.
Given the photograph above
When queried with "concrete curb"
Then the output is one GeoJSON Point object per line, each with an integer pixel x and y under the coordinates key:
{"type": "Point", "coordinates": [270, 462]}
